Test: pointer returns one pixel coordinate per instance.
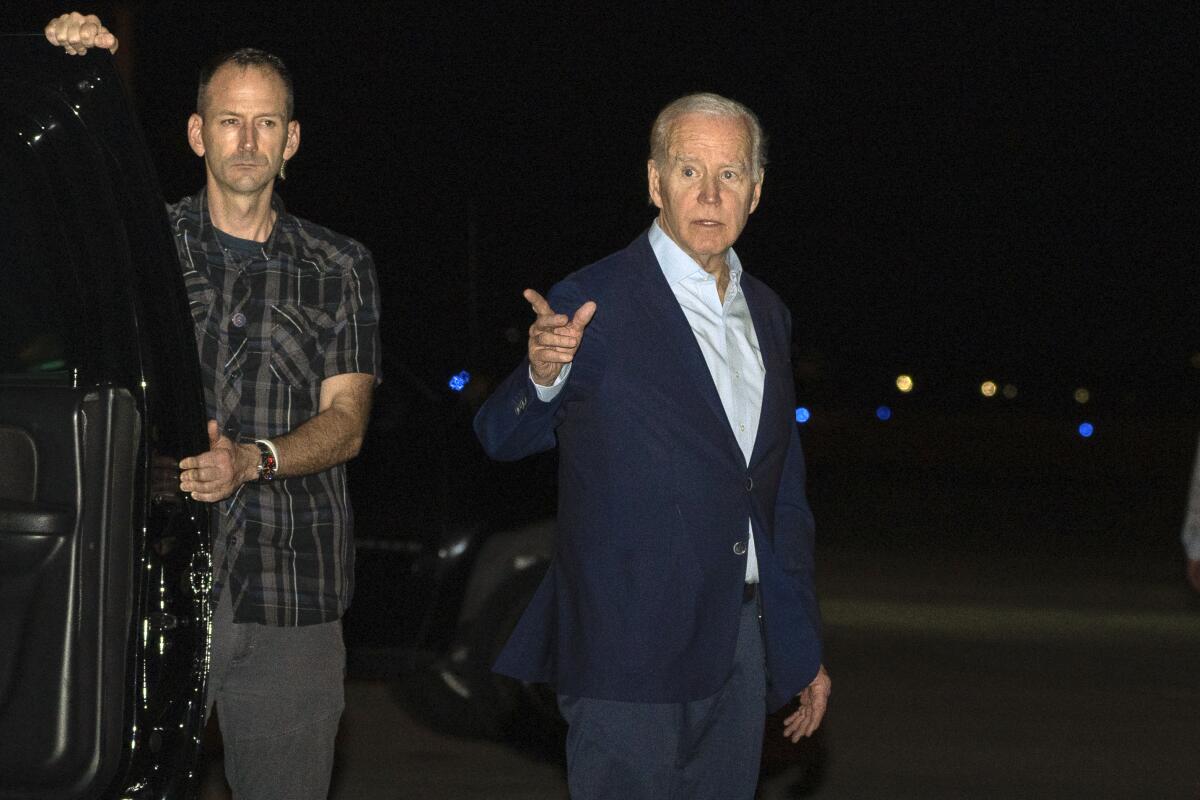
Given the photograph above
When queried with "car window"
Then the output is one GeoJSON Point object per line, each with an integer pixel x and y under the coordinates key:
{"type": "Point", "coordinates": [39, 299]}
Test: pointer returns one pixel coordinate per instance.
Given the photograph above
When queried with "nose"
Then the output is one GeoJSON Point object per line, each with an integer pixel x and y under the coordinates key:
{"type": "Point", "coordinates": [247, 140]}
{"type": "Point", "coordinates": [710, 190]}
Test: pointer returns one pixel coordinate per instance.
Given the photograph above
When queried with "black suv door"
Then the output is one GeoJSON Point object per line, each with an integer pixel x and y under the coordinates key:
{"type": "Point", "coordinates": [104, 564]}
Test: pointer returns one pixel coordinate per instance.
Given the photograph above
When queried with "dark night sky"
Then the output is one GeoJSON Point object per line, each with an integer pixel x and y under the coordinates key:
{"type": "Point", "coordinates": [959, 190]}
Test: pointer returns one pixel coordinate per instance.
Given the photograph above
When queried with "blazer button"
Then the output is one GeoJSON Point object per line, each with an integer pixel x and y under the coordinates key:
{"type": "Point", "coordinates": [749, 483]}
{"type": "Point", "coordinates": [739, 548]}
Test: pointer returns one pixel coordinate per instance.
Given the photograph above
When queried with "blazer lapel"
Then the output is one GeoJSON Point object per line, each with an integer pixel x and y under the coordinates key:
{"type": "Point", "coordinates": [769, 345]}
{"type": "Point", "coordinates": [669, 321]}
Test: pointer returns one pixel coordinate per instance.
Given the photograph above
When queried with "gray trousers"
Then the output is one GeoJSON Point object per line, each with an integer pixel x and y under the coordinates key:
{"type": "Point", "coordinates": [279, 696]}
{"type": "Point", "coordinates": [706, 749]}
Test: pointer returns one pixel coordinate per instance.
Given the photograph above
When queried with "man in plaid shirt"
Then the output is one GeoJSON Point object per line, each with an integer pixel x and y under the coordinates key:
{"type": "Point", "coordinates": [286, 322]}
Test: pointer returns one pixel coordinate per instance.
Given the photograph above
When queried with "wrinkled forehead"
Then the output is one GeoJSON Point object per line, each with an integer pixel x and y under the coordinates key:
{"type": "Point", "coordinates": [726, 138]}
{"type": "Point", "coordinates": [244, 81]}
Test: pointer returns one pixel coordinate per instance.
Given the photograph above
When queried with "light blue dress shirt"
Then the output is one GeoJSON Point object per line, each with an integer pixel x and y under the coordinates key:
{"type": "Point", "coordinates": [726, 337]}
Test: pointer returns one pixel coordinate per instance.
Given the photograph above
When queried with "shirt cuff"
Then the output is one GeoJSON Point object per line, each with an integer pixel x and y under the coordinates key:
{"type": "Point", "coordinates": [548, 393]}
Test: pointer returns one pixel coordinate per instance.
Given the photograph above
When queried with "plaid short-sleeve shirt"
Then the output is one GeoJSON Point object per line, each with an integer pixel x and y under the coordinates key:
{"type": "Point", "coordinates": [270, 326]}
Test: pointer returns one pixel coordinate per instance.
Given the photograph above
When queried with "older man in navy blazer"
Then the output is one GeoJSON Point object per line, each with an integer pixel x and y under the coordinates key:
{"type": "Point", "coordinates": [679, 605]}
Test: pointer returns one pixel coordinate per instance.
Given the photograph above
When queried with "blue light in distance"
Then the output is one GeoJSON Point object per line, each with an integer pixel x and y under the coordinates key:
{"type": "Point", "coordinates": [802, 414]}
{"type": "Point", "coordinates": [1086, 429]}
{"type": "Point", "coordinates": [459, 381]}
{"type": "Point", "coordinates": [883, 413]}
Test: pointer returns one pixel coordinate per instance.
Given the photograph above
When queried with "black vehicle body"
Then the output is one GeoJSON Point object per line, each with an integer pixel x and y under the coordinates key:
{"type": "Point", "coordinates": [104, 564]}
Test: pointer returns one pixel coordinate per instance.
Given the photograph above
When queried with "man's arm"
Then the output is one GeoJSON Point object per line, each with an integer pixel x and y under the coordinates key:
{"type": "Point", "coordinates": [794, 531]}
{"type": "Point", "coordinates": [518, 418]}
{"type": "Point", "coordinates": [77, 33]}
{"type": "Point", "coordinates": [794, 528]}
{"type": "Point", "coordinates": [332, 437]}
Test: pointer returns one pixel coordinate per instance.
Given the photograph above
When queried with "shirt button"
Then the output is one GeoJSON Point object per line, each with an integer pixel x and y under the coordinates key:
{"type": "Point", "coordinates": [749, 484]}
{"type": "Point", "coordinates": [239, 320]}
{"type": "Point", "coordinates": [739, 548]}
{"type": "Point", "coordinates": [741, 428]}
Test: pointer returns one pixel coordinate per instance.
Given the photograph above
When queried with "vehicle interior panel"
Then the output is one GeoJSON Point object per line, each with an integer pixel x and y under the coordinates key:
{"type": "Point", "coordinates": [67, 555]}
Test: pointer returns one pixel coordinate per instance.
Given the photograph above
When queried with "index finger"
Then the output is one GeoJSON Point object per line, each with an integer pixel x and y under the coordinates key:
{"type": "Point", "coordinates": [540, 306]}
{"type": "Point", "coordinates": [197, 461]}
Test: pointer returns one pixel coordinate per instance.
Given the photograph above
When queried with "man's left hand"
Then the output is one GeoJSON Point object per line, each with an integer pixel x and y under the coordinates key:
{"type": "Point", "coordinates": [217, 474]}
{"type": "Point", "coordinates": [813, 701]}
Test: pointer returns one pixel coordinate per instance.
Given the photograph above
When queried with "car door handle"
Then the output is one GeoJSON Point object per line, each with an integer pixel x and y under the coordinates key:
{"type": "Point", "coordinates": [171, 501]}
{"type": "Point", "coordinates": [35, 519]}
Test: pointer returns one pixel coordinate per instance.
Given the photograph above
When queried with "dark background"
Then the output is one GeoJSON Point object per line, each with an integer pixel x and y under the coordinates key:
{"type": "Point", "coordinates": [958, 191]}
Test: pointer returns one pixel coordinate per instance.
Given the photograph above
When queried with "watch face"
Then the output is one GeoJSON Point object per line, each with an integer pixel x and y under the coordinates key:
{"type": "Point", "coordinates": [266, 466]}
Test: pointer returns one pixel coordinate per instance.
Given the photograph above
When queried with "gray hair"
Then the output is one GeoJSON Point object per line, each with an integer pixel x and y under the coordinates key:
{"type": "Point", "coordinates": [713, 105]}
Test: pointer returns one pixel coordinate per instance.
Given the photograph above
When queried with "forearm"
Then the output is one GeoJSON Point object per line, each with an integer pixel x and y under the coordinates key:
{"type": "Point", "coordinates": [330, 438]}
{"type": "Point", "coordinates": [794, 529]}
{"type": "Point", "coordinates": [324, 441]}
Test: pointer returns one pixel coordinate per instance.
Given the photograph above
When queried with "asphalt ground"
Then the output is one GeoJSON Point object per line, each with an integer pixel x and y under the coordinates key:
{"type": "Point", "coordinates": [1006, 617]}
{"type": "Point", "coordinates": [992, 689]}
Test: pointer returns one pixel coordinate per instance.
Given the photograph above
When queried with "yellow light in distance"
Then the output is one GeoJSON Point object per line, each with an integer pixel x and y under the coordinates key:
{"type": "Point", "coordinates": [987, 389]}
{"type": "Point", "coordinates": [1082, 395]}
{"type": "Point", "coordinates": [904, 383]}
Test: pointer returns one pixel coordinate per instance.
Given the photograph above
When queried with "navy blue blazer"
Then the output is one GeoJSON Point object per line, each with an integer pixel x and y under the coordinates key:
{"type": "Point", "coordinates": [642, 598]}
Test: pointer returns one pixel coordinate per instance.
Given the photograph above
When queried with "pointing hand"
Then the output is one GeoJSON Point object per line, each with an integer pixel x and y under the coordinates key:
{"type": "Point", "coordinates": [553, 339]}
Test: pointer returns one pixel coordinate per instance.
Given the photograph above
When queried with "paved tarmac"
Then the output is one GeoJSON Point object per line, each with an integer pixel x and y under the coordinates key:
{"type": "Point", "coordinates": [383, 754]}
{"type": "Point", "coordinates": [1006, 617]}
{"type": "Point", "coordinates": [981, 679]}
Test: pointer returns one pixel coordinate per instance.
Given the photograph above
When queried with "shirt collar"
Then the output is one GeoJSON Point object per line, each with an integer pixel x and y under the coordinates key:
{"type": "Point", "coordinates": [677, 265]}
{"type": "Point", "coordinates": [206, 232]}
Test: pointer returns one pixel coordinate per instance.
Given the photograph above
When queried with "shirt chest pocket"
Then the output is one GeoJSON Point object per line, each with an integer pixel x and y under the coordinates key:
{"type": "Point", "coordinates": [297, 354]}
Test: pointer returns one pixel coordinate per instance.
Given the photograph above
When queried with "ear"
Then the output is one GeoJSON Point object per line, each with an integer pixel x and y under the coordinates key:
{"type": "Point", "coordinates": [653, 179]}
{"type": "Point", "coordinates": [757, 192]}
{"type": "Point", "coordinates": [194, 128]}
{"type": "Point", "coordinates": [293, 140]}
